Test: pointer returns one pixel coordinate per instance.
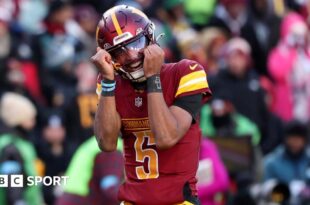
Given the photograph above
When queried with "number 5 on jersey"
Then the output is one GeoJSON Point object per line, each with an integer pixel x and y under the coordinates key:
{"type": "Point", "coordinates": [141, 154]}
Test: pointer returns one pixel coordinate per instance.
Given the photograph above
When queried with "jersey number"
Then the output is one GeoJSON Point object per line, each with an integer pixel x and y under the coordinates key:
{"type": "Point", "coordinates": [141, 154]}
{"type": "Point", "coordinates": [87, 106]}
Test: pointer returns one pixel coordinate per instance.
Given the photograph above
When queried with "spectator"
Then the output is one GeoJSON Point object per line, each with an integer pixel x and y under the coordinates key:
{"type": "Point", "coordinates": [220, 119]}
{"type": "Point", "coordinates": [230, 15]}
{"type": "Point", "coordinates": [17, 72]}
{"type": "Point", "coordinates": [55, 41]}
{"type": "Point", "coordinates": [174, 15]}
{"type": "Point", "coordinates": [240, 79]}
{"type": "Point", "coordinates": [212, 175]}
{"type": "Point", "coordinates": [265, 24]}
{"type": "Point", "coordinates": [55, 53]}
{"type": "Point", "coordinates": [99, 180]}
{"type": "Point", "coordinates": [274, 130]}
{"type": "Point", "coordinates": [81, 110]}
{"type": "Point", "coordinates": [213, 41]}
{"type": "Point", "coordinates": [54, 151]}
{"type": "Point", "coordinates": [18, 155]}
{"type": "Point", "coordinates": [193, 49]}
{"type": "Point", "coordinates": [289, 161]}
{"type": "Point", "coordinates": [84, 29]}
{"type": "Point", "coordinates": [233, 17]}
{"type": "Point", "coordinates": [22, 77]}
{"type": "Point", "coordinates": [292, 75]}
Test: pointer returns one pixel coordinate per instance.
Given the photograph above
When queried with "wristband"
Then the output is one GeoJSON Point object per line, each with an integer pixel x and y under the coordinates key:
{"type": "Point", "coordinates": [153, 84]}
{"type": "Point", "coordinates": [108, 87]}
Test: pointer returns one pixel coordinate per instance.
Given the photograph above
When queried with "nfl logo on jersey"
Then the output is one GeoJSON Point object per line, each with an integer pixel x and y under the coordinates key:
{"type": "Point", "coordinates": [138, 102]}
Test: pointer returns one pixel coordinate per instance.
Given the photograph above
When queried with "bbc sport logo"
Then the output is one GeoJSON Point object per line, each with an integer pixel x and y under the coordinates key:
{"type": "Point", "coordinates": [17, 180]}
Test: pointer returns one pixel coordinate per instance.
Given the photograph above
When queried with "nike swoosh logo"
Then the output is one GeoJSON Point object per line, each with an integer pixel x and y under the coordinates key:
{"type": "Point", "coordinates": [192, 67]}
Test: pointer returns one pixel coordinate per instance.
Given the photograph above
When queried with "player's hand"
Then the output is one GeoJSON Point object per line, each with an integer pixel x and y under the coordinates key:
{"type": "Point", "coordinates": [153, 60]}
{"type": "Point", "coordinates": [103, 61]}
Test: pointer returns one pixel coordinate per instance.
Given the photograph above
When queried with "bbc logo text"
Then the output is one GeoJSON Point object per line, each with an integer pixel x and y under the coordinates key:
{"type": "Point", "coordinates": [19, 180]}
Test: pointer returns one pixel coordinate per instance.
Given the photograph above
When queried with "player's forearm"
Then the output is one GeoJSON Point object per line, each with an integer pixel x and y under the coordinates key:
{"type": "Point", "coordinates": [163, 123]}
{"type": "Point", "coordinates": [107, 124]}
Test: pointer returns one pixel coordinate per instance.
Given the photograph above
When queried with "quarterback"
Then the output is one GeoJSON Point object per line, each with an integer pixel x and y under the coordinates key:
{"type": "Point", "coordinates": [153, 105]}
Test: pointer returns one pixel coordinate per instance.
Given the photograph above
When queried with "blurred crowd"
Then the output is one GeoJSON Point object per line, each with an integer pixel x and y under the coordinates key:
{"type": "Point", "coordinates": [256, 127]}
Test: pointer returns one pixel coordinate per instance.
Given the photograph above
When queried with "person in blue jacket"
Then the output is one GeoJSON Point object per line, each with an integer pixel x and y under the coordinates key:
{"type": "Point", "coordinates": [291, 159]}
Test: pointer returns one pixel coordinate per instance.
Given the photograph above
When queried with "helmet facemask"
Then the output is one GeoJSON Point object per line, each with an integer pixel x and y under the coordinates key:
{"type": "Point", "coordinates": [128, 66]}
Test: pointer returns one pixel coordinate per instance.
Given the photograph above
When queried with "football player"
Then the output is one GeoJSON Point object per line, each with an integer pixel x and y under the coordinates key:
{"type": "Point", "coordinates": [154, 105]}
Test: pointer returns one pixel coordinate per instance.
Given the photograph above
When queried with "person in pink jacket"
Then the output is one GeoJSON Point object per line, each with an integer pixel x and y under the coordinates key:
{"type": "Point", "coordinates": [212, 175]}
{"type": "Point", "coordinates": [288, 65]}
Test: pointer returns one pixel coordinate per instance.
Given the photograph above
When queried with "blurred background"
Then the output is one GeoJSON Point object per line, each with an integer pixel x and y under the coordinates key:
{"type": "Point", "coordinates": [257, 57]}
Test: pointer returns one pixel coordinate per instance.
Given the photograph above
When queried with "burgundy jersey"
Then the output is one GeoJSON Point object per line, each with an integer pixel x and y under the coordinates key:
{"type": "Point", "coordinates": [157, 177]}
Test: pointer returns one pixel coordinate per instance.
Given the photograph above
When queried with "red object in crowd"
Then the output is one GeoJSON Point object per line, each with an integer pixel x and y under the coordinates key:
{"type": "Point", "coordinates": [31, 82]}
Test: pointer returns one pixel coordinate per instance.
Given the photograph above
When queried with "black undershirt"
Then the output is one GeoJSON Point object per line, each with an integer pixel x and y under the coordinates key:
{"type": "Point", "coordinates": [190, 103]}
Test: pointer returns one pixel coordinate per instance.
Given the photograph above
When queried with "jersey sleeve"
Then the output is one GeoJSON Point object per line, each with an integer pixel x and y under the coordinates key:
{"type": "Point", "coordinates": [192, 79]}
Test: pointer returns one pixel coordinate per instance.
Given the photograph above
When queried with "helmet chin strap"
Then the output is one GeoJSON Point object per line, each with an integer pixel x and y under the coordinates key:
{"type": "Point", "coordinates": [135, 76]}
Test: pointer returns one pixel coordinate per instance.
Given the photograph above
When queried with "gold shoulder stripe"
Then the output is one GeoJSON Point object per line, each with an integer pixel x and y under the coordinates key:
{"type": "Point", "coordinates": [191, 76]}
{"type": "Point", "coordinates": [193, 81]}
{"type": "Point", "coordinates": [115, 23]}
{"type": "Point", "coordinates": [197, 86]}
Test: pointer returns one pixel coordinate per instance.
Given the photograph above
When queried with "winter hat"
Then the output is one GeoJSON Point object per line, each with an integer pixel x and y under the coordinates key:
{"type": "Point", "coordinates": [296, 128]}
{"type": "Point", "coordinates": [238, 44]}
{"type": "Point", "coordinates": [16, 109]}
